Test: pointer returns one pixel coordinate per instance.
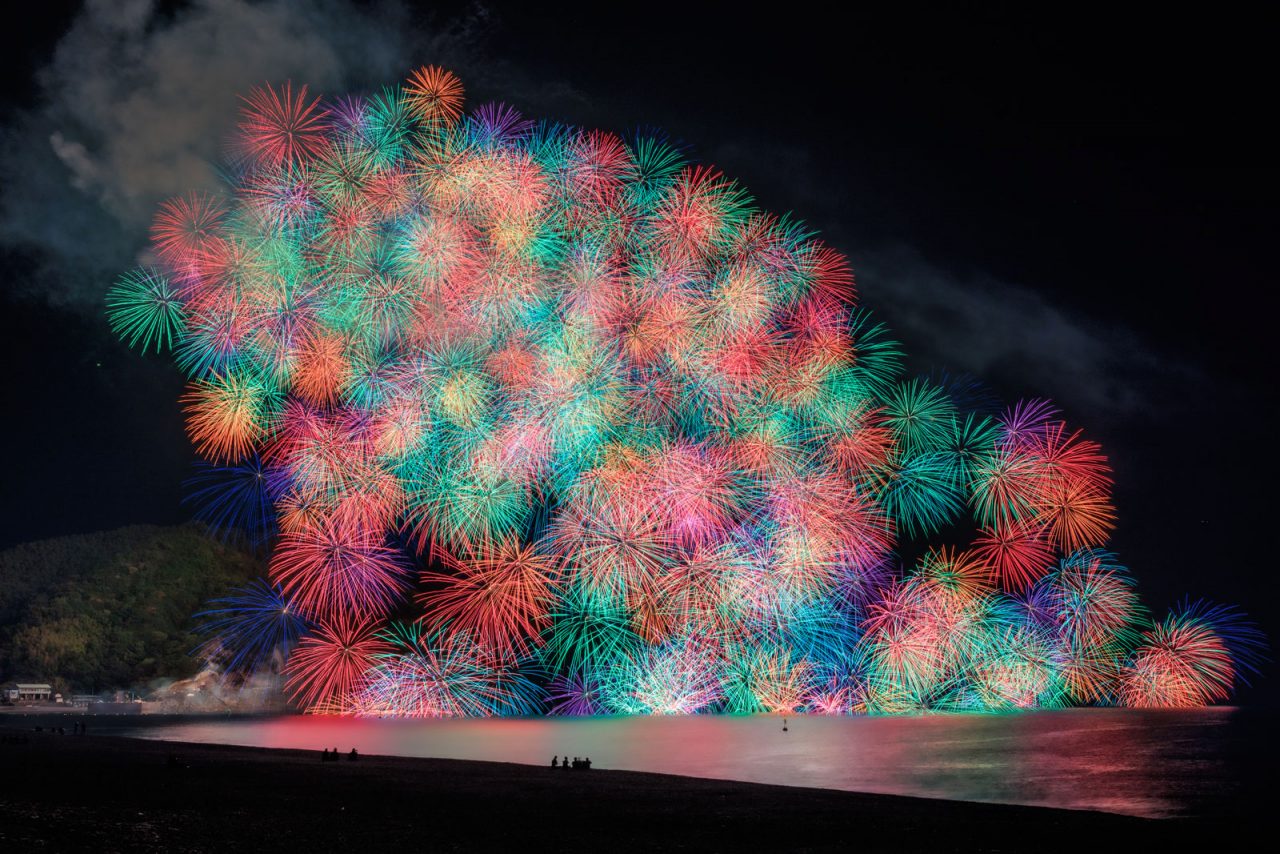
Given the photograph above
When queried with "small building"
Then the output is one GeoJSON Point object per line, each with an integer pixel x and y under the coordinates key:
{"type": "Point", "coordinates": [28, 692]}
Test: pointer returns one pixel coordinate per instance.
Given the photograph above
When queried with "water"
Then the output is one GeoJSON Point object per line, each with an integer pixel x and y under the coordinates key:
{"type": "Point", "coordinates": [1145, 763]}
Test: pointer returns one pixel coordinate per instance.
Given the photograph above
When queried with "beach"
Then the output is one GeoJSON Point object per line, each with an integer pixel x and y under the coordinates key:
{"type": "Point", "coordinates": [107, 793]}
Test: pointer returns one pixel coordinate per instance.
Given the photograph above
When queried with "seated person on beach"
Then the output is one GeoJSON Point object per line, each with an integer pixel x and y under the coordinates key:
{"type": "Point", "coordinates": [555, 761]}
{"type": "Point", "coordinates": [353, 755]}
{"type": "Point", "coordinates": [586, 763]}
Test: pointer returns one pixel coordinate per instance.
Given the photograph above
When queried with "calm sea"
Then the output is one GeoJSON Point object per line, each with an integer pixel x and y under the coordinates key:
{"type": "Point", "coordinates": [1146, 763]}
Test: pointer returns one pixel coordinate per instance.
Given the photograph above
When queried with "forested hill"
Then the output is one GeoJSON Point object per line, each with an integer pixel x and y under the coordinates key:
{"type": "Point", "coordinates": [112, 609]}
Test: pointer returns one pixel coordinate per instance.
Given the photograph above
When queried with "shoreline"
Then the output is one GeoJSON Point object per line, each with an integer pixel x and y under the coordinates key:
{"type": "Point", "coordinates": [111, 792]}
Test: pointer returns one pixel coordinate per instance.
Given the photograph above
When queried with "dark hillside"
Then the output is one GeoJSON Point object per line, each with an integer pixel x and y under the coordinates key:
{"type": "Point", "coordinates": [111, 609]}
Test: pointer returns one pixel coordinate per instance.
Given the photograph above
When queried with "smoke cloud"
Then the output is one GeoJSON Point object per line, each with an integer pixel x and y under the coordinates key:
{"type": "Point", "coordinates": [136, 106]}
{"type": "Point", "coordinates": [1013, 337]}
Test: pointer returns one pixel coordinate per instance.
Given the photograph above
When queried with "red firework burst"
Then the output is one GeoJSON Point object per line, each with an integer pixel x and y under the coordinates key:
{"type": "Point", "coordinates": [331, 567]}
{"type": "Point", "coordinates": [280, 127]}
{"type": "Point", "coordinates": [501, 596]}
{"type": "Point", "coordinates": [1017, 551]}
{"type": "Point", "coordinates": [330, 664]}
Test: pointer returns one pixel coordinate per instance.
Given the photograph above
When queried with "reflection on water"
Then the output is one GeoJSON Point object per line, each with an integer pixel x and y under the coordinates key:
{"type": "Point", "coordinates": [1146, 763]}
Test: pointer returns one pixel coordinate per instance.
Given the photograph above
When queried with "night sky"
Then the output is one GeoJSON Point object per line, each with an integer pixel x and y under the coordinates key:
{"type": "Point", "coordinates": [1075, 207]}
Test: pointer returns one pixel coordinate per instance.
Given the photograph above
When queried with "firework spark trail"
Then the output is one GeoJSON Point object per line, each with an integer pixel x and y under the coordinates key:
{"type": "Point", "coordinates": [647, 444]}
{"type": "Point", "coordinates": [250, 627]}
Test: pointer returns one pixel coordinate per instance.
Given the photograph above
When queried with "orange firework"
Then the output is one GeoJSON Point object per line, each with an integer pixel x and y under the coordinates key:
{"type": "Point", "coordinates": [228, 416]}
{"type": "Point", "coordinates": [434, 95]}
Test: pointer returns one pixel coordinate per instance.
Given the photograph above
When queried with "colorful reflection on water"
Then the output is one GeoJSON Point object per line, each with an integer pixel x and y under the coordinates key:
{"type": "Point", "coordinates": [1146, 763]}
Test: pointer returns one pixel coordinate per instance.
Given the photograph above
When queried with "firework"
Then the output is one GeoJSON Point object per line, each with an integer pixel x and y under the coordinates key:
{"type": "Point", "coordinates": [678, 678]}
{"type": "Point", "coordinates": [441, 675]}
{"type": "Point", "coordinates": [1191, 658]}
{"type": "Point", "coordinates": [332, 568]}
{"type": "Point", "coordinates": [333, 661]}
{"type": "Point", "coordinates": [1018, 552]}
{"type": "Point", "coordinates": [250, 627]}
{"type": "Point", "coordinates": [237, 500]}
{"type": "Point", "coordinates": [280, 128]}
{"type": "Point", "coordinates": [501, 597]}
{"type": "Point", "coordinates": [632, 435]}
{"type": "Point", "coordinates": [144, 308]}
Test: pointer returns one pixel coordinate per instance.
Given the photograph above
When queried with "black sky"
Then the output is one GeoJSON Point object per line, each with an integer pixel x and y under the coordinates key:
{"type": "Point", "coordinates": [1077, 205]}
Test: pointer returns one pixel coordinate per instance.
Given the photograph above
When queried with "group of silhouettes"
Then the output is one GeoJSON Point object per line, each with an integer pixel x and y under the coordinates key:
{"type": "Point", "coordinates": [326, 756]}
{"type": "Point", "coordinates": [581, 764]}
{"type": "Point", "coordinates": [76, 728]}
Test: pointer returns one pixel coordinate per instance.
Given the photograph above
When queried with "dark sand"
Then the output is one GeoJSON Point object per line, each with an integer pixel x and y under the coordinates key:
{"type": "Point", "coordinates": [102, 793]}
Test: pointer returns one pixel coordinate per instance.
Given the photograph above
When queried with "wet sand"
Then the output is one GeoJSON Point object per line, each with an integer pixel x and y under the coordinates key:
{"type": "Point", "coordinates": [71, 792]}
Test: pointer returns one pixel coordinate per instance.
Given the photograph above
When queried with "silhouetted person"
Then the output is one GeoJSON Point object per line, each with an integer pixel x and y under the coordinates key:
{"type": "Point", "coordinates": [353, 756]}
{"type": "Point", "coordinates": [555, 761]}
{"type": "Point", "coordinates": [565, 764]}
{"type": "Point", "coordinates": [586, 763]}
{"type": "Point", "coordinates": [324, 755]}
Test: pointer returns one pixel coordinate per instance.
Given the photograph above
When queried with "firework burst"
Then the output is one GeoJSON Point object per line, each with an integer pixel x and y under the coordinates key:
{"type": "Point", "coordinates": [632, 434]}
